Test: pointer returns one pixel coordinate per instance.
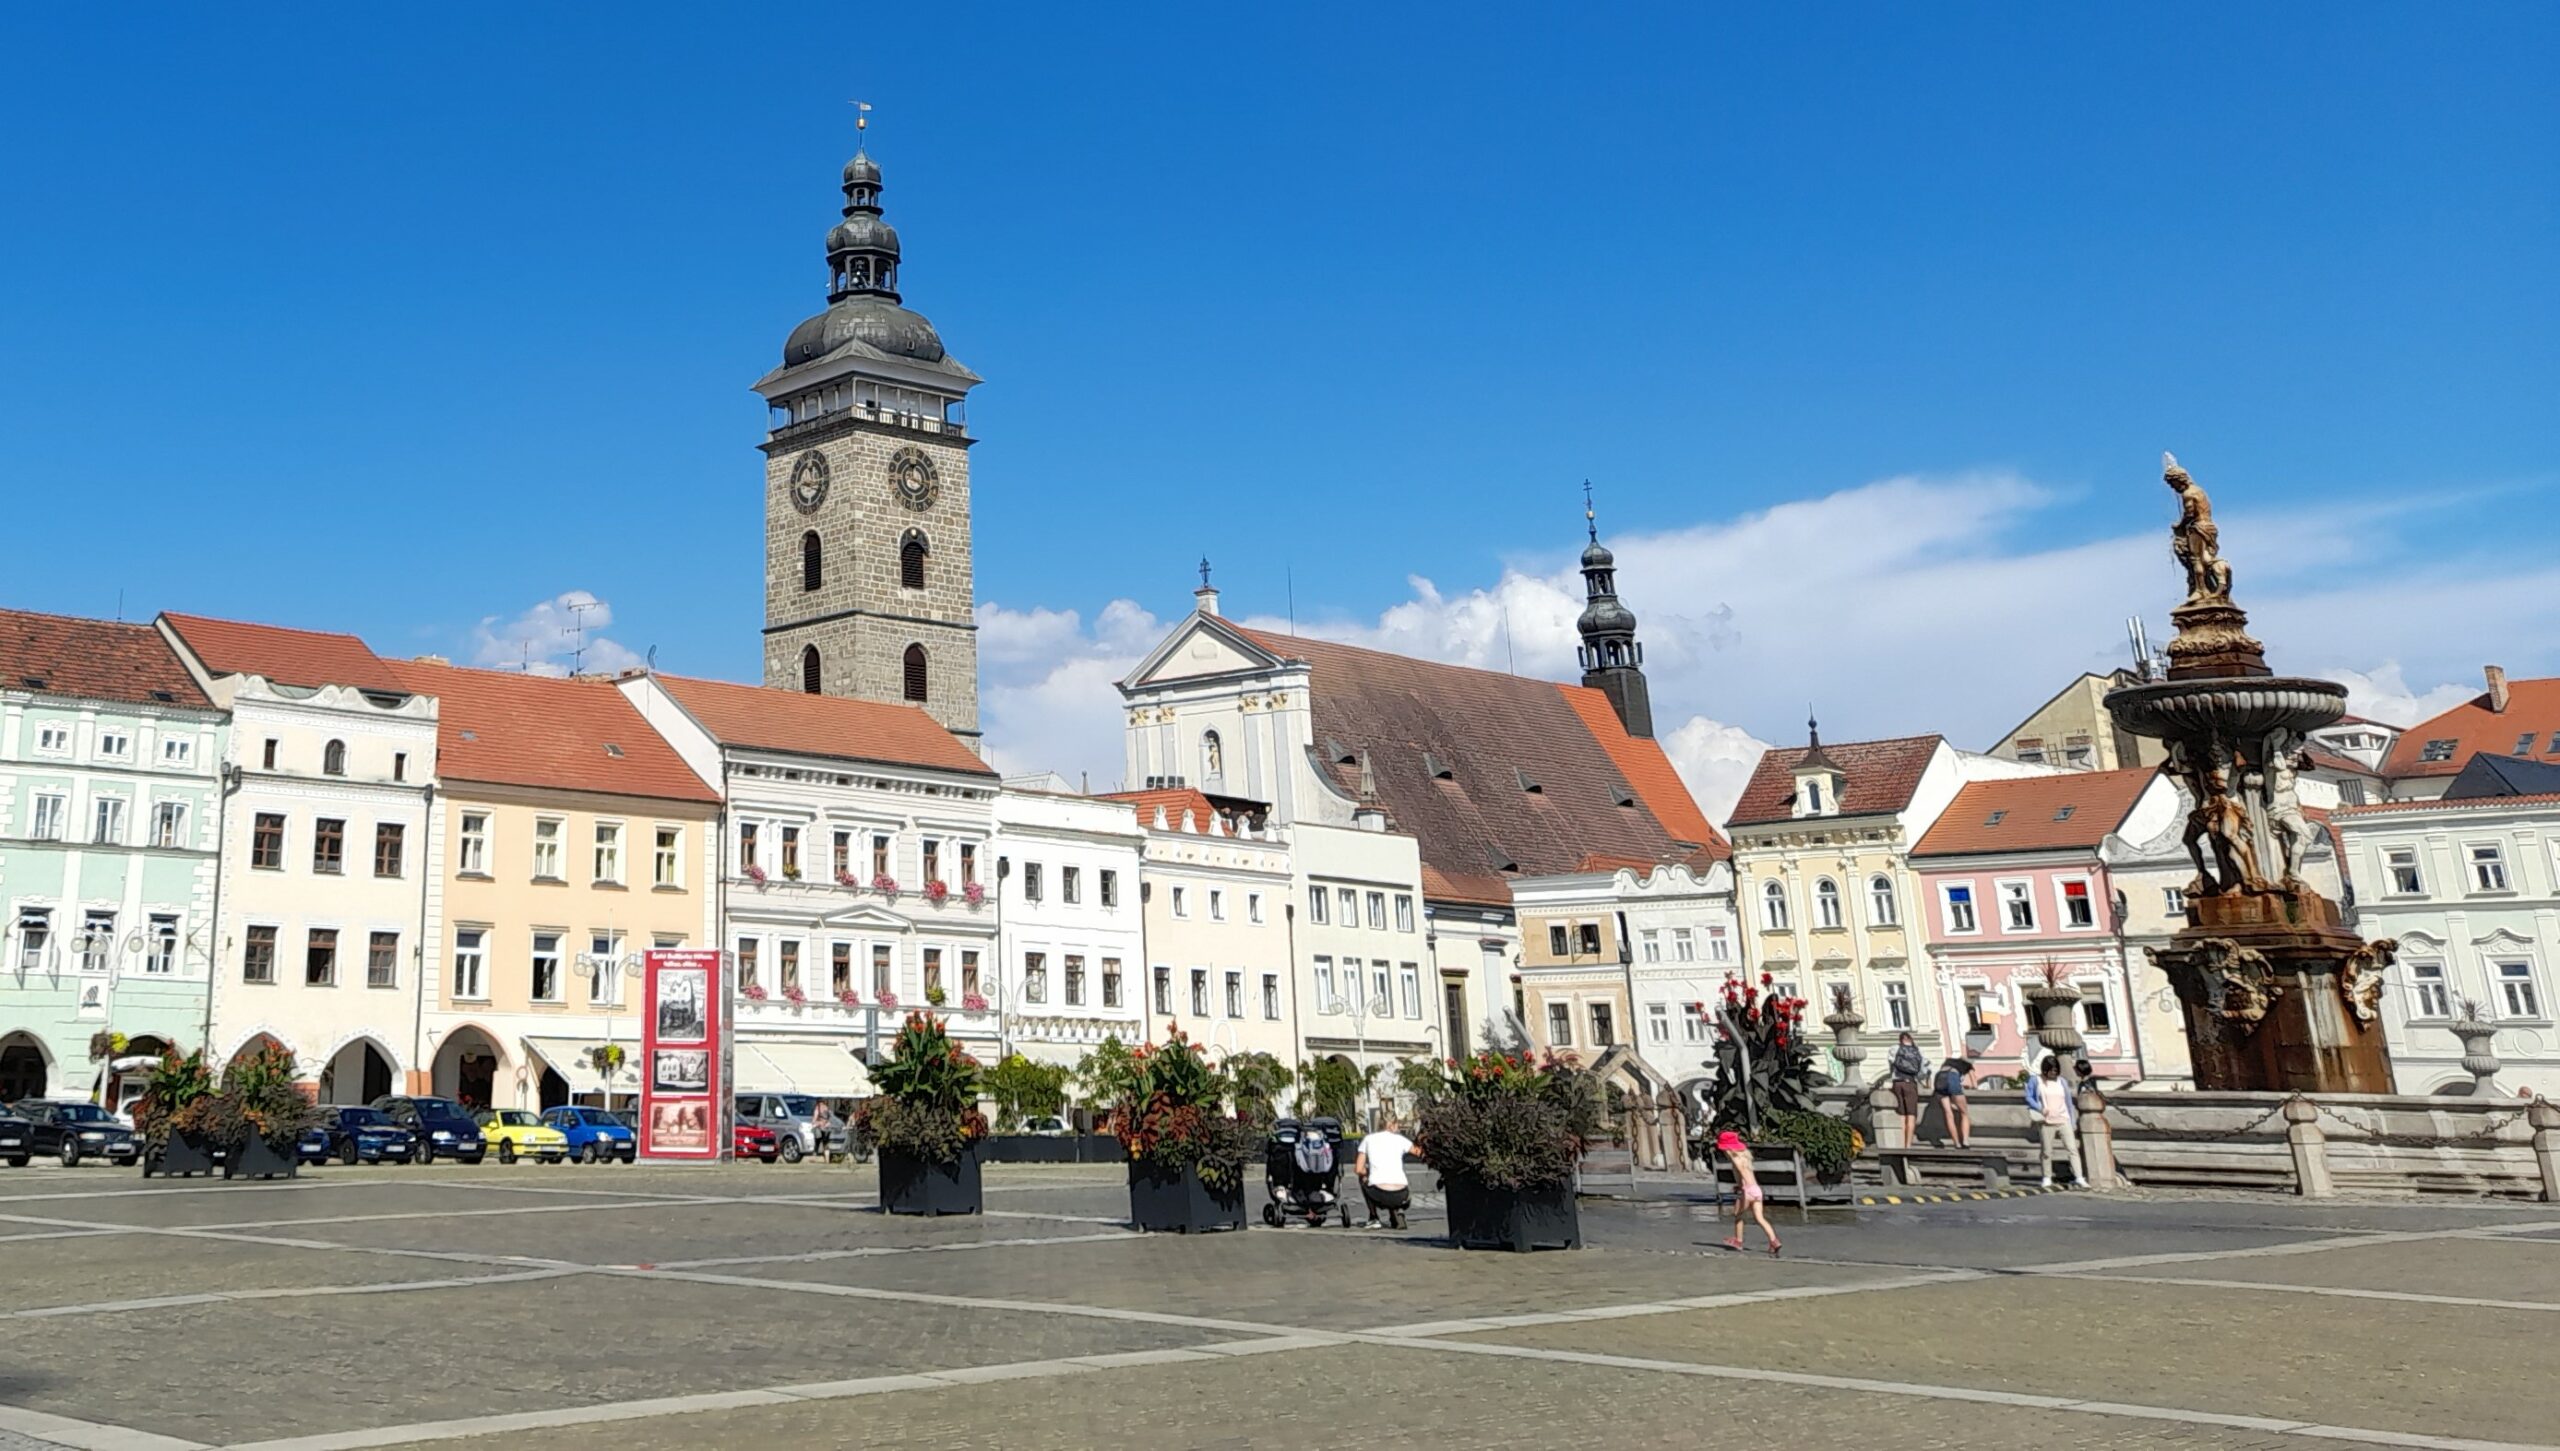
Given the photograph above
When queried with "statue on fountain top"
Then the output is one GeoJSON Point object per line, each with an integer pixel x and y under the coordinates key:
{"type": "Point", "coordinates": [2195, 538]}
{"type": "Point", "coordinates": [2213, 633]}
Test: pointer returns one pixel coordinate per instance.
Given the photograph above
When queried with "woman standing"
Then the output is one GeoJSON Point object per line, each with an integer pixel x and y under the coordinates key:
{"type": "Point", "coordinates": [1950, 1093]}
{"type": "Point", "coordinates": [1907, 1067]}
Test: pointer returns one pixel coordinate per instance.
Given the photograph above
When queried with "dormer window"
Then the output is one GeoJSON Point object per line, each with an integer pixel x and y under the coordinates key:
{"type": "Point", "coordinates": [1813, 798]}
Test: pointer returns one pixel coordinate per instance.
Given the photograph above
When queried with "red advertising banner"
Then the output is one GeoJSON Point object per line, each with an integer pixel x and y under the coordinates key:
{"type": "Point", "coordinates": [683, 1042]}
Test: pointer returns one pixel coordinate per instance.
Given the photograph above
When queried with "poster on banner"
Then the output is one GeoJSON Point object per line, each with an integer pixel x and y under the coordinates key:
{"type": "Point", "coordinates": [682, 1052]}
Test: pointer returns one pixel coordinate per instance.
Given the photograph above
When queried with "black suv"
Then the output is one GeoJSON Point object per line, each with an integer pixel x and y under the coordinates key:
{"type": "Point", "coordinates": [72, 1131]}
{"type": "Point", "coordinates": [17, 1138]}
{"type": "Point", "coordinates": [441, 1127]}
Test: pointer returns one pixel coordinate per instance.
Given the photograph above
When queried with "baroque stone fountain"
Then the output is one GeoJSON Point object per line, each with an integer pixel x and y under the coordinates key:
{"type": "Point", "coordinates": [2278, 995]}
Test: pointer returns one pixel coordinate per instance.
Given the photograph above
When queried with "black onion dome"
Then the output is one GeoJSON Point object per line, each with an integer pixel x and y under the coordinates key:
{"type": "Point", "coordinates": [862, 318]}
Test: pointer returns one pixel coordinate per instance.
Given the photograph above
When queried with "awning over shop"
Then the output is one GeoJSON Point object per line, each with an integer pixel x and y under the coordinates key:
{"type": "Point", "coordinates": [785, 1065]}
{"type": "Point", "coordinates": [568, 1058]}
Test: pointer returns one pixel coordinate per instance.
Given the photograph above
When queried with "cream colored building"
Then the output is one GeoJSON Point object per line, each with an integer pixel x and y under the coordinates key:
{"type": "Point", "coordinates": [571, 838]}
{"type": "Point", "coordinates": [2074, 731]}
{"type": "Point", "coordinates": [1217, 892]}
{"type": "Point", "coordinates": [1623, 955]}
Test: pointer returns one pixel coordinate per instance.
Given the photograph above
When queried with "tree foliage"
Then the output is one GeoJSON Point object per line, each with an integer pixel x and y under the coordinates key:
{"type": "Point", "coordinates": [1257, 1081]}
{"type": "Point", "coordinates": [1021, 1088]}
{"type": "Point", "coordinates": [1333, 1087]}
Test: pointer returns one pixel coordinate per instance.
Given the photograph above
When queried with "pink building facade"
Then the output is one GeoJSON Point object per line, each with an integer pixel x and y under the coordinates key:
{"type": "Point", "coordinates": [2015, 893]}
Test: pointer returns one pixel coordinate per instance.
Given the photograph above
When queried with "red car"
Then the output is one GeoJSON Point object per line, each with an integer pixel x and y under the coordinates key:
{"type": "Point", "coordinates": [746, 1141]}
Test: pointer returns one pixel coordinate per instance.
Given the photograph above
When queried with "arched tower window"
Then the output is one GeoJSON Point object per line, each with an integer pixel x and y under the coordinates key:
{"type": "Point", "coordinates": [915, 673]}
{"type": "Point", "coordinates": [809, 670]}
{"type": "Point", "coordinates": [813, 568]}
{"type": "Point", "coordinates": [333, 759]}
{"type": "Point", "coordinates": [911, 557]}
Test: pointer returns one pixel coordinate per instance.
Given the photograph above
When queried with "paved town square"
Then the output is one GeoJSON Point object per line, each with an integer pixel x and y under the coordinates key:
{"type": "Point", "coordinates": [752, 1305]}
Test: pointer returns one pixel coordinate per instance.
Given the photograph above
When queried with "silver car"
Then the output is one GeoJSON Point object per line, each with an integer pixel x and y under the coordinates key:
{"type": "Point", "coordinates": [790, 1116]}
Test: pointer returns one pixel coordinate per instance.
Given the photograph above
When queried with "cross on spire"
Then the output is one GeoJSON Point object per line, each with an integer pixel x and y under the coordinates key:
{"type": "Point", "coordinates": [1204, 571]}
{"type": "Point", "coordinates": [1590, 517]}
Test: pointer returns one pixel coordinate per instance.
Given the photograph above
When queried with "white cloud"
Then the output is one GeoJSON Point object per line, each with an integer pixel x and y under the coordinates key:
{"type": "Point", "coordinates": [544, 638]}
{"type": "Point", "coordinates": [1899, 607]}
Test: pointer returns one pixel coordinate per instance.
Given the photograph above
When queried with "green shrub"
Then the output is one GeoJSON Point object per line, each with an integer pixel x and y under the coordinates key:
{"type": "Point", "coordinates": [1828, 1144]}
{"type": "Point", "coordinates": [1509, 1121]}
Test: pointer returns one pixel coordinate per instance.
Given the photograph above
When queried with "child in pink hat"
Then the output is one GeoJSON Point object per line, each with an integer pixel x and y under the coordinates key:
{"type": "Point", "coordinates": [1752, 1200]}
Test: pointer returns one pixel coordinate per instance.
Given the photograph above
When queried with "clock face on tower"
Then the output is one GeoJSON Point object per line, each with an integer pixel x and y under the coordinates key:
{"type": "Point", "coordinates": [912, 478]}
{"type": "Point", "coordinates": [809, 481]}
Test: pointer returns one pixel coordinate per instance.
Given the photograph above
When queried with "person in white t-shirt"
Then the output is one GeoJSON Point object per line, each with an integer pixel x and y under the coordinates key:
{"type": "Point", "coordinates": [1381, 1171]}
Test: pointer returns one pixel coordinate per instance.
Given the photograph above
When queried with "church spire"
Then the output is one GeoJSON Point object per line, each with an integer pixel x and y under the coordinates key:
{"type": "Point", "coordinates": [862, 250]}
{"type": "Point", "coordinates": [1612, 659]}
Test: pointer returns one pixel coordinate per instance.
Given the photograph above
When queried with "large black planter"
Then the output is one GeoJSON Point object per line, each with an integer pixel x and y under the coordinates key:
{"type": "Point", "coordinates": [909, 1185]}
{"type": "Point", "coordinates": [1484, 1217]}
{"type": "Point", "coordinates": [179, 1154]}
{"type": "Point", "coordinates": [253, 1159]}
{"type": "Point", "coordinates": [1168, 1199]}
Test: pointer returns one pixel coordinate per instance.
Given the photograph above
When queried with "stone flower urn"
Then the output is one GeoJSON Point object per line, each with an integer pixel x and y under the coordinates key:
{"type": "Point", "coordinates": [2478, 1058]}
{"type": "Point", "coordinates": [1844, 1026]}
{"type": "Point", "coordinates": [2054, 1005]}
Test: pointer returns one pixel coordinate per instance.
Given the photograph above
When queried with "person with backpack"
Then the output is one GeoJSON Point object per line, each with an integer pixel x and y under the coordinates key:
{"type": "Point", "coordinates": [1380, 1169]}
{"type": "Point", "coordinates": [1907, 1066]}
{"type": "Point", "coordinates": [2057, 1120]}
{"type": "Point", "coordinates": [1950, 1095]}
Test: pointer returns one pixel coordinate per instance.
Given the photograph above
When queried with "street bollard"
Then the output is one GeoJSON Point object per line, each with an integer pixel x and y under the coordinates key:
{"type": "Point", "coordinates": [2544, 1116]}
{"type": "Point", "coordinates": [2097, 1139]}
{"type": "Point", "coordinates": [2310, 1148]}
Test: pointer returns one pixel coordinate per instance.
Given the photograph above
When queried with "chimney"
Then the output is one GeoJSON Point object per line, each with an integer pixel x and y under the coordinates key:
{"type": "Point", "coordinates": [440, 660]}
{"type": "Point", "coordinates": [2497, 678]}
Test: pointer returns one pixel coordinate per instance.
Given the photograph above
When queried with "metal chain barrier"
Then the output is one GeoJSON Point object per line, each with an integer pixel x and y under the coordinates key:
{"type": "Point", "coordinates": [2374, 1133]}
{"type": "Point", "coordinates": [2208, 1136]}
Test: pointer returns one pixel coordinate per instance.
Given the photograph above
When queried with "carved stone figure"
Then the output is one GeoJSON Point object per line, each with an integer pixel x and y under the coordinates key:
{"type": "Point", "coordinates": [2242, 983]}
{"type": "Point", "coordinates": [2285, 822]}
{"type": "Point", "coordinates": [2360, 979]}
{"type": "Point", "coordinates": [2195, 538]}
{"type": "Point", "coordinates": [2218, 825]}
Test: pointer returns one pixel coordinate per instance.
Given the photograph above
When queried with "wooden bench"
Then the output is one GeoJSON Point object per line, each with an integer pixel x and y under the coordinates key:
{"type": "Point", "coordinates": [1984, 1168]}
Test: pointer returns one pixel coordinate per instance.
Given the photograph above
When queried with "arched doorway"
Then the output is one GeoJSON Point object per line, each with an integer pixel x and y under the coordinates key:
{"type": "Point", "coordinates": [24, 1067]}
{"type": "Point", "coordinates": [358, 1073]}
{"type": "Point", "coordinates": [467, 1067]}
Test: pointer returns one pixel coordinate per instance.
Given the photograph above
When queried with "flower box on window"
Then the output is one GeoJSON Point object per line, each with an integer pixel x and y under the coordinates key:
{"type": "Point", "coordinates": [937, 893]}
{"type": "Point", "coordinates": [849, 998]}
{"type": "Point", "coordinates": [753, 992]}
{"type": "Point", "coordinates": [886, 886]}
{"type": "Point", "coordinates": [886, 1000]}
{"type": "Point", "coordinates": [973, 1002]}
{"type": "Point", "coordinates": [974, 894]}
{"type": "Point", "coordinates": [755, 874]}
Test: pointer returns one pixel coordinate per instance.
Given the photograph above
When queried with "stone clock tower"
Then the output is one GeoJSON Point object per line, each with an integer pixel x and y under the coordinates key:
{"type": "Point", "coordinates": [867, 578]}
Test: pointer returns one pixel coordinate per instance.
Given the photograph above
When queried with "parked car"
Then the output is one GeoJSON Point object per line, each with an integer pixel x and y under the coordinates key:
{"type": "Point", "coordinates": [754, 1141]}
{"type": "Point", "coordinates": [17, 1138]}
{"type": "Point", "coordinates": [72, 1131]}
{"type": "Point", "coordinates": [438, 1127]}
{"type": "Point", "coordinates": [312, 1147]}
{"type": "Point", "coordinates": [1045, 1126]}
{"type": "Point", "coordinates": [594, 1135]}
{"type": "Point", "coordinates": [363, 1136]}
{"type": "Point", "coordinates": [520, 1133]}
{"type": "Point", "coordinates": [789, 1115]}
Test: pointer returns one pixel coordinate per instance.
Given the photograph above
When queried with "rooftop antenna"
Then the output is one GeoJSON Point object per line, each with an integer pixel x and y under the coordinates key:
{"type": "Point", "coordinates": [1511, 660]}
{"type": "Point", "coordinates": [1289, 581]}
{"type": "Point", "coordinates": [861, 121]}
{"type": "Point", "coordinates": [119, 606]}
{"type": "Point", "coordinates": [577, 626]}
{"type": "Point", "coordinates": [1590, 517]}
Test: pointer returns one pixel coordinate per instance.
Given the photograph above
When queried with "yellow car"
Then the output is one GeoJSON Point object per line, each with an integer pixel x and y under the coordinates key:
{"type": "Point", "coordinates": [519, 1133]}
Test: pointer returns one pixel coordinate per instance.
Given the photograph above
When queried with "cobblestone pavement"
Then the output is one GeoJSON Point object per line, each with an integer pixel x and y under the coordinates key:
{"type": "Point", "coordinates": [620, 1308]}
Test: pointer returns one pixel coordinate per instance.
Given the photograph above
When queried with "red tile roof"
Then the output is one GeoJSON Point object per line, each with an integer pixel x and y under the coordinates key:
{"type": "Point", "coordinates": [2426, 804]}
{"type": "Point", "coordinates": [2533, 708]}
{"type": "Point", "coordinates": [2323, 759]}
{"type": "Point", "coordinates": [283, 656]}
{"type": "Point", "coordinates": [822, 725]}
{"type": "Point", "coordinates": [503, 729]}
{"type": "Point", "coordinates": [1876, 778]}
{"type": "Point", "coordinates": [1177, 804]}
{"type": "Point", "coordinates": [93, 660]}
{"type": "Point", "coordinates": [1523, 778]}
{"type": "Point", "coordinates": [2035, 813]}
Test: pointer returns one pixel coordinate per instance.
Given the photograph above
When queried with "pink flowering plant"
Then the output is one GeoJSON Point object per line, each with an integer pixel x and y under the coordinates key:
{"type": "Point", "coordinates": [974, 894]}
{"type": "Point", "coordinates": [753, 992]}
{"type": "Point", "coordinates": [937, 892]}
{"type": "Point", "coordinates": [973, 1002]}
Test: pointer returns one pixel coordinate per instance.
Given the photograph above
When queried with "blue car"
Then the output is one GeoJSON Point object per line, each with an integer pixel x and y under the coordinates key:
{"type": "Point", "coordinates": [594, 1135]}
{"type": "Point", "coordinates": [359, 1136]}
{"type": "Point", "coordinates": [438, 1127]}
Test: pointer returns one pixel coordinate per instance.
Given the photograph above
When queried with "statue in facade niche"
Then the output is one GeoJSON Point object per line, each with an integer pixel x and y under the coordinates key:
{"type": "Point", "coordinates": [2195, 538]}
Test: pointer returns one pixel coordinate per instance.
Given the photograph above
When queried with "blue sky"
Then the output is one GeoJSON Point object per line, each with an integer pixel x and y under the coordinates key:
{"type": "Point", "coordinates": [318, 318]}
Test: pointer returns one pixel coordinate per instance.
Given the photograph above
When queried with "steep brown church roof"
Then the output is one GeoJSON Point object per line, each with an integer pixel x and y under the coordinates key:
{"type": "Point", "coordinates": [1496, 776]}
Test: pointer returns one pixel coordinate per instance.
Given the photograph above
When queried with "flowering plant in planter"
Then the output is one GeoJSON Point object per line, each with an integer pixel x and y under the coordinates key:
{"type": "Point", "coordinates": [1772, 1061]}
{"type": "Point", "coordinates": [753, 992]}
{"type": "Point", "coordinates": [886, 885]}
{"type": "Point", "coordinates": [258, 1099]}
{"type": "Point", "coordinates": [846, 878]}
{"type": "Point", "coordinates": [792, 994]}
{"type": "Point", "coordinates": [1510, 1121]}
{"type": "Point", "coordinates": [973, 1002]}
{"type": "Point", "coordinates": [849, 998]}
{"type": "Point", "coordinates": [885, 999]}
{"type": "Point", "coordinates": [937, 892]}
{"type": "Point", "coordinates": [974, 894]}
{"type": "Point", "coordinates": [106, 1045]}
{"type": "Point", "coordinates": [174, 1084]}
{"type": "Point", "coordinates": [1171, 1113]}
{"type": "Point", "coordinates": [791, 874]}
{"type": "Point", "coordinates": [755, 874]}
{"type": "Point", "coordinates": [605, 1058]}
{"type": "Point", "coordinates": [927, 1104]}
{"type": "Point", "coordinates": [934, 996]}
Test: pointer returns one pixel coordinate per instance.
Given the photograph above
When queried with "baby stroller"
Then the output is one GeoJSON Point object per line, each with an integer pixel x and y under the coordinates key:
{"type": "Point", "coordinates": [1299, 1167]}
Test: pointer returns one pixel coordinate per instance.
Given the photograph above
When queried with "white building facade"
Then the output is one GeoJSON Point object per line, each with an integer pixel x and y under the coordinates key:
{"type": "Point", "coordinates": [1218, 895]}
{"type": "Point", "coordinates": [1071, 931]}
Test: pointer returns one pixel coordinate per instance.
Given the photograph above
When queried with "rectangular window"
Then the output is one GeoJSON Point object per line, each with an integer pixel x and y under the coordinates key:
{"type": "Point", "coordinates": [1253, 906]}
{"type": "Point", "coordinates": [2173, 900]}
{"type": "Point", "coordinates": [1897, 1005]}
{"type": "Point", "coordinates": [969, 984]}
{"type": "Point", "coordinates": [1409, 983]}
{"type": "Point", "coordinates": [1719, 944]}
{"type": "Point", "coordinates": [267, 757]}
{"type": "Point", "coordinates": [1380, 1003]}
{"type": "Point", "coordinates": [932, 859]}
{"type": "Point", "coordinates": [2077, 909]}
{"type": "Point", "coordinates": [320, 958]}
{"type": "Point", "coordinates": [546, 967]}
{"type": "Point", "coordinates": [161, 952]}
{"type": "Point", "coordinates": [1111, 982]}
{"type": "Point", "coordinates": [884, 971]}
{"type": "Point", "coordinates": [1164, 992]}
{"type": "Point", "coordinates": [1404, 912]}
{"type": "Point", "coordinates": [1587, 938]}
{"type": "Point", "coordinates": [548, 834]}
{"type": "Point", "coordinates": [1559, 940]}
{"type": "Point", "coordinates": [840, 969]}
{"type": "Point", "coordinates": [50, 813]}
{"type": "Point", "coordinates": [1559, 1025]}
{"type": "Point", "coordinates": [258, 955]}
{"type": "Point", "coordinates": [399, 765]}
{"type": "Point", "coordinates": [53, 740]}
{"type": "Point", "coordinates": [1031, 881]}
{"type": "Point", "coordinates": [1960, 916]}
{"type": "Point", "coordinates": [110, 821]}
{"type": "Point", "coordinates": [1182, 901]}
{"type": "Point", "coordinates": [1684, 947]}
{"type": "Point", "coordinates": [1325, 1000]}
{"type": "Point", "coordinates": [1235, 994]}
{"type": "Point", "coordinates": [1035, 977]}
{"type": "Point", "coordinates": [169, 825]}
{"type": "Point", "coordinates": [113, 744]}
{"type": "Point", "coordinates": [1378, 911]}
{"type": "Point", "coordinates": [2402, 863]}
{"type": "Point", "coordinates": [609, 851]}
{"type": "Point", "coordinates": [382, 960]}
{"type": "Point", "coordinates": [1316, 906]}
{"type": "Point", "coordinates": [879, 856]}
{"type": "Point", "coordinates": [1199, 992]}
{"type": "Point", "coordinates": [1649, 945]}
{"type": "Point", "coordinates": [1977, 1017]}
{"type": "Point", "coordinates": [329, 845]}
{"type": "Point", "coordinates": [176, 750]}
{"type": "Point", "coordinates": [667, 862]}
{"type": "Point", "coordinates": [2440, 749]}
{"type": "Point", "coordinates": [1217, 904]}
{"type": "Point", "coordinates": [840, 859]}
{"type": "Point", "coordinates": [1347, 906]}
{"type": "Point", "coordinates": [471, 856]}
{"type": "Point", "coordinates": [2488, 867]}
{"type": "Point", "coordinates": [1604, 1027]}
{"type": "Point", "coordinates": [470, 964]}
{"type": "Point", "coordinates": [2095, 1019]}
{"type": "Point", "coordinates": [750, 844]}
{"type": "Point", "coordinates": [2017, 907]}
{"type": "Point", "coordinates": [1657, 1022]}
{"type": "Point", "coordinates": [1070, 885]}
{"type": "Point", "coordinates": [969, 864]}
{"type": "Point", "coordinates": [750, 962]}
{"type": "Point", "coordinates": [2516, 995]}
{"type": "Point", "coordinates": [790, 853]}
{"type": "Point", "coordinates": [1271, 996]}
{"type": "Point", "coordinates": [787, 959]}
{"type": "Point", "coordinates": [1693, 1022]}
{"type": "Point", "coordinates": [1073, 969]}
{"type": "Point", "coordinates": [387, 848]}
{"type": "Point", "coordinates": [1110, 888]}
{"type": "Point", "coordinates": [97, 941]}
{"type": "Point", "coordinates": [604, 968]}
{"type": "Point", "coordinates": [2429, 995]}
